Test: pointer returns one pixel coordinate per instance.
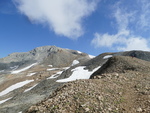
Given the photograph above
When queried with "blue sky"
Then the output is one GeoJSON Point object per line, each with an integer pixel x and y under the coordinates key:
{"type": "Point", "coordinates": [91, 26]}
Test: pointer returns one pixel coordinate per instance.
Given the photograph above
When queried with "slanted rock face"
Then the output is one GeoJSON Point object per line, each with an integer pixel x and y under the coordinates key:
{"type": "Point", "coordinates": [123, 64]}
{"type": "Point", "coordinates": [144, 55]}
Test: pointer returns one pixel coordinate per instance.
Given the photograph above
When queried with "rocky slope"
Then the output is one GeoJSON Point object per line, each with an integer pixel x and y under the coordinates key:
{"type": "Point", "coordinates": [120, 86]}
{"type": "Point", "coordinates": [27, 78]}
{"type": "Point", "coordinates": [31, 77]}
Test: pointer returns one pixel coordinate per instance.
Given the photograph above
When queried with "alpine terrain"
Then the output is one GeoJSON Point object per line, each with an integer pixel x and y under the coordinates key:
{"type": "Point", "coordinates": [50, 79]}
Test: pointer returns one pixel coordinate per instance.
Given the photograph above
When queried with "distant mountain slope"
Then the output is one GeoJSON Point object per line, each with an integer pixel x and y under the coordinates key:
{"type": "Point", "coordinates": [48, 55]}
{"type": "Point", "coordinates": [144, 55]}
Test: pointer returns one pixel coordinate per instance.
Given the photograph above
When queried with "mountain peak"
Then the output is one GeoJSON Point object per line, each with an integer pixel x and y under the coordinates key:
{"type": "Point", "coordinates": [46, 48]}
{"type": "Point", "coordinates": [48, 55]}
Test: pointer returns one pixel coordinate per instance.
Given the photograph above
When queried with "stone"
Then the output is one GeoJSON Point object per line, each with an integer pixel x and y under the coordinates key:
{"type": "Point", "coordinates": [87, 109]}
{"type": "Point", "coordinates": [139, 109]}
{"type": "Point", "coordinates": [100, 98]}
{"type": "Point", "coordinates": [109, 109]}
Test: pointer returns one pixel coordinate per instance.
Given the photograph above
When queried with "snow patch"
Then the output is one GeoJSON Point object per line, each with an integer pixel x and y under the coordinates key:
{"type": "Point", "coordinates": [50, 65]}
{"type": "Point", "coordinates": [75, 62]}
{"type": "Point", "coordinates": [55, 75]}
{"type": "Point", "coordinates": [30, 88]}
{"type": "Point", "coordinates": [14, 67]}
{"type": "Point", "coordinates": [18, 71]}
{"type": "Point", "coordinates": [65, 68]}
{"type": "Point", "coordinates": [107, 56]}
{"type": "Point", "coordinates": [2, 101]}
{"type": "Point", "coordinates": [1, 71]}
{"type": "Point", "coordinates": [15, 86]}
{"type": "Point", "coordinates": [31, 74]}
{"type": "Point", "coordinates": [79, 73]}
{"type": "Point", "coordinates": [52, 69]}
{"type": "Point", "coordinates": [91, 56]}
{"type": "Point", "coordinates": [79, 52]}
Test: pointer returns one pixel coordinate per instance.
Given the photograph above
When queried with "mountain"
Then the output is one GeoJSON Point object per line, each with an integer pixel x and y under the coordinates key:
{"type": "Point", "coordinates": [51, 55]}
{"type": "Point", "coordinates": [36, 70]}
{"type": "Point", "coordinates": [29, 79]}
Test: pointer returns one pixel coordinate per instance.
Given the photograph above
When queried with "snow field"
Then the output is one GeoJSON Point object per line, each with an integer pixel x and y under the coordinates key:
{"type": "Point", "coordinates": [75, 62]}
{"type": "Point", "coordinates": [30, 88]}
{"type": "Point", "coordinates": [107, 56]}
{"type": "Point", "coordinates": [15, 86]}
{"type": "Point", "coordinates": [79, 73]}
{"type": "Point", "coordinates": [2, 101]}
{"type": "Point", "coordinates": [18, 71]}
{"type": "Point", "coordinates": [31, 74]}
{"type": "Point", "coordinates": [91, 56]}
{"type": "Point", "coordinates": [52, 69]}
{"type": "Point", "coordinates": [2, 71]}
{"type": "Point", "coordinates": [50, 65]}
{"type": "Point", "coordinates": [79, 52]}
{"type": "Point", "coordinates": [54, 76]}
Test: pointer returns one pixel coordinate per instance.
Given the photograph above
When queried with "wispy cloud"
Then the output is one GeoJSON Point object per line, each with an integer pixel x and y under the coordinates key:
{"type": "Point", "coordinates": [64, 17]}
{"type": "Point", "coordinates": [126, 38]}
{"type": "Point", "coordinates": [144, 18]}
{"type": "Point", "coordinates": [120, 41]}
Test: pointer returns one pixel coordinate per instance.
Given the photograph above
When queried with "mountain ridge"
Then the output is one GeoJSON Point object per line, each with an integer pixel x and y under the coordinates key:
{"type": "Point", "coordinates": [115, 88]}
{"type": "Point", "coordinates": [46, 54]}
{"type": "Point", "coordinates": [46, 69]}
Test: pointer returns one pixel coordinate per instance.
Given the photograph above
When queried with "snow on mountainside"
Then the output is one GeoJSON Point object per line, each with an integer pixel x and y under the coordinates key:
{"type": "Point", "coordinates": [107, 56]}
{"type": "Point", "coordinates": [15, 86]}
{"type": "Point", "coordinates": [18, 71]}
{"type": "Point", "coordinates": [33, 73]}
{"type": "Point", "coordinates": [49, 55]}
{"type": "Point", "coordinates": [79, 73]}
{"type": "Point", "coordinates": [30, 77]}
{"type": "Point", "coordinates": [2, 101]}
{"type": "Point", "coordinates": [75, 62]}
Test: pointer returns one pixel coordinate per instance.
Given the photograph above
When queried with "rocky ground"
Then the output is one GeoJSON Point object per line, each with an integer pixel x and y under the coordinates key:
{"type": "Point", "coordinates": [123, 86]}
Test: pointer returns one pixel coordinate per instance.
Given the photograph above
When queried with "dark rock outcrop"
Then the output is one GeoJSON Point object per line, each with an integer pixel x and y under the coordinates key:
{"type": "Point", "coordinates": [144, 55]}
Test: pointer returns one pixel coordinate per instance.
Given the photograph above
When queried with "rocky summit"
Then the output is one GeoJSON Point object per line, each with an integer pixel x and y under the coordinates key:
{"type": "Point", "coordinates": [50, 79]}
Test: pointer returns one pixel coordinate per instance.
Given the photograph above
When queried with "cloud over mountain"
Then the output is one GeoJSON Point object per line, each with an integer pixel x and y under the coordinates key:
{"type": "Point", "coordinates": [130, 24]}
{"type": "Point", "coordinates": [64, 17]}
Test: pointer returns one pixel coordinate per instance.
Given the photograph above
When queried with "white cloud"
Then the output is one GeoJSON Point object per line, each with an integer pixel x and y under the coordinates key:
{"type": "Point", "coordinates": [144, 17]}
{"type": "Point", "coordinates": [125, 38]}
{"type": "Point", "coordinates": [135, 43]}
{"type": "Point", "coordinates": [64, 17]}
{"type": "Point", "coordinates": [106, 40]}
{"type": "Point", "coordinates": [120, 41]}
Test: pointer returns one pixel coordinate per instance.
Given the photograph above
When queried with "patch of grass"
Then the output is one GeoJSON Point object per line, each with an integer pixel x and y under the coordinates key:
{"type": "Point", "coordinates": [53, 108]}
{"type": "Point", "coordinates": [120, 100]}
